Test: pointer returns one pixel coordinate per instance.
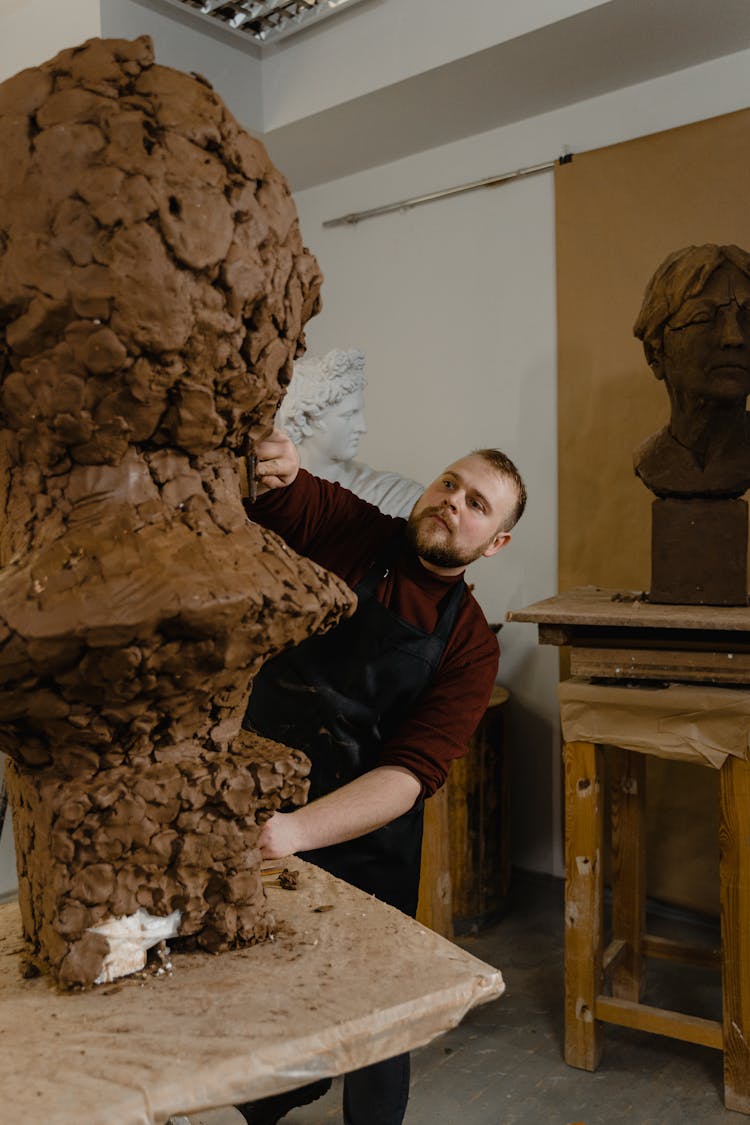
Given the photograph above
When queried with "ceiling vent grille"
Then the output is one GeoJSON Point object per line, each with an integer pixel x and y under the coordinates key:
{"type": "Point", "coordinates": [265, 21]}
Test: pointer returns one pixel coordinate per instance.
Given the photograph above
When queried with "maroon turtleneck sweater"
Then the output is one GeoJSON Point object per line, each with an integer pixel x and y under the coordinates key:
{"type": "Point", "coordinates": [332, 526]}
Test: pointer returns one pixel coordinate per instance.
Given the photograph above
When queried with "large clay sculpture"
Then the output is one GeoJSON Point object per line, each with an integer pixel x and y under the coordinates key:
{"type": "Point", "coordinates": [153, 293]}
{"type": "Point", "coordinates": [695, 328]}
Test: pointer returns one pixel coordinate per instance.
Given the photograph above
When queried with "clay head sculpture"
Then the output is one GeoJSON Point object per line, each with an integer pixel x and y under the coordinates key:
{"type": "Point", "coordinates": [695, 328]}
{"type": "Point", "coordinates": [323, 413]}
{"type": "Point", "coordinates": [153, 293]}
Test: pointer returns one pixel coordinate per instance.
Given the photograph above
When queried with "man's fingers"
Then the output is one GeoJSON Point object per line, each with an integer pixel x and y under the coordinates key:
{"type": "Point", "coordinates": [277, 461]}
{"type": "Point", "coordinates": [272, 446]}
{"type": "Point", "coordinates": [267, 483]}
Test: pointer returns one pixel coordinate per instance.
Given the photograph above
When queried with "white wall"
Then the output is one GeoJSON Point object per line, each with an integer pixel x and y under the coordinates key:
{"type": "Point", "coordinates": [382, 42]}
{"type": "Point", "coordinates": [32, 31]}
{"type": "Point", "coordinates": [454, 306]}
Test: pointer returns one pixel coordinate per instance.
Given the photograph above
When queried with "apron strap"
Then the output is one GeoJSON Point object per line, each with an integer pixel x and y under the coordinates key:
{"type": "Point", "coordinates": [450, 604]}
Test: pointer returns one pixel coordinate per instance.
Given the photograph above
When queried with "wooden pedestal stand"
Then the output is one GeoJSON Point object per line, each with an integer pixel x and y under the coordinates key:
{"type": "Point", "coordinates": [465, 875]}
{"type": "Point", "coordinates": [694, 652]}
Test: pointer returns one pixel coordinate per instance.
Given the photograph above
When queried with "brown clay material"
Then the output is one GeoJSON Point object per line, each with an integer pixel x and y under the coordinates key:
{"type": "Point", "coordinates": [695, 328]}
{"type": "Point", "coordinates": [699, 552]}
{"type": "Point", "coordinates": [153, 293]}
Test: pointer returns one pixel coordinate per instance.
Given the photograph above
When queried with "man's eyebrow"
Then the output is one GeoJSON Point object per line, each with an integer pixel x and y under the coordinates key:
{"type": "Point", "coordinates": [701, 301]}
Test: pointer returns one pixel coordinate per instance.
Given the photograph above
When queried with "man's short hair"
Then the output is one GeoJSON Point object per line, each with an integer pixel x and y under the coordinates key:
{"type": "Point", "coordinates": [681, 275]}
{"type": "Point", "coordinates": [505, 467]}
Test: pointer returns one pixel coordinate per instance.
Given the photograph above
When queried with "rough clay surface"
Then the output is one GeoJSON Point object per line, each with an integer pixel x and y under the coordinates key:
{"type": "Point", "coordinates": [153, 293]}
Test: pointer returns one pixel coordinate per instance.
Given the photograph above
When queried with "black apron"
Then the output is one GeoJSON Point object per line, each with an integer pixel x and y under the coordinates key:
{"type": "Point", "coordinates": [338, 697]}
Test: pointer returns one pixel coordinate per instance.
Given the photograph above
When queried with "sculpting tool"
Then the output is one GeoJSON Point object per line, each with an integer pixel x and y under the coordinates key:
{"type": "Point", "coordinates": [252, 477]}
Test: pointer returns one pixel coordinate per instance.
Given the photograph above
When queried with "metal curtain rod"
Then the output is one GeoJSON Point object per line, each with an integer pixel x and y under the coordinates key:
{"type": "Point", "coordinates": [417, 200]}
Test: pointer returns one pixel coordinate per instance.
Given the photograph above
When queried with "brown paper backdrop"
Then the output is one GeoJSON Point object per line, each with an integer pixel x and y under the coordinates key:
{"type": "Point", "coordinates": [619, 211]}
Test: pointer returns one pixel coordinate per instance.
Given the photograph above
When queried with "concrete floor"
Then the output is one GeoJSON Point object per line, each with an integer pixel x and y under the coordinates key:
{"type": "Point", "coordinates": [504, 1063]}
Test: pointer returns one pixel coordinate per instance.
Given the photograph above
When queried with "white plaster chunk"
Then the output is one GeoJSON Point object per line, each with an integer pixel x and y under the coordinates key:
{"type": "Point", "coordinates": [130, 937]}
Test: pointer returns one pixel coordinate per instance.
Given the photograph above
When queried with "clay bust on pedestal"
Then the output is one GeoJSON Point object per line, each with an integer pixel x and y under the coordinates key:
{"type": "Point", "coordinates": [695, 328]}
{"type": "Point", "coordinates": [323, 413]}
{"type": "Point", "coordinates": [153, 293]}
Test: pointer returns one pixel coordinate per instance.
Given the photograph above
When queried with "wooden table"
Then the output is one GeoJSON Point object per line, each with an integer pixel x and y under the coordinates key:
{"type": "Point", "coordinates": [672, 681]}
{"type": "Point", "coordinates": [620, 635]}
{"type": "Point", "coordinates": [346, 982]}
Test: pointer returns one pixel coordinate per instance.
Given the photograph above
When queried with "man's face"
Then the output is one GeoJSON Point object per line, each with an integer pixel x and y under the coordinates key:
{"type": "Point", "coordinates": [707, 341]}
{"type": "Point", "coordinates": [460, 517]}
{"type": "Point", "coordinates": [337, 433]}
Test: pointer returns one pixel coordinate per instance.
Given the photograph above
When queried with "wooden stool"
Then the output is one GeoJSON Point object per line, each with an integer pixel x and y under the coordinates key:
{"type": "Point", "coordinates": [465, 873]}
{"type": "Point", "coordinates": [710, 725]}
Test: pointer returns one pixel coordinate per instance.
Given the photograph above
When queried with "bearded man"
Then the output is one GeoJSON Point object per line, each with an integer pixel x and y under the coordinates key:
{"type": "Point", "coordinates": [383, 702]}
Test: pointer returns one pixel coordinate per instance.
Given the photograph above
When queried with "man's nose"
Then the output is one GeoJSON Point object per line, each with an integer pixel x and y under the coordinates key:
{"type": "Point", "coordinates": [730, 329]}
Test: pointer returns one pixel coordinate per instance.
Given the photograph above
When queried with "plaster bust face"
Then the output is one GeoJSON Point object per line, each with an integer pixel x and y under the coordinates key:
{"type": "Point", "coordinates": [706, 352]}
{"type": "Point", "coordinates": [336, 434]}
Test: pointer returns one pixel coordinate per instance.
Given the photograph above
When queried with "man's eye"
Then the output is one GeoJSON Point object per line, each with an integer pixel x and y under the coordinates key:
{"type": "Point", "coordinates": [698, 316]}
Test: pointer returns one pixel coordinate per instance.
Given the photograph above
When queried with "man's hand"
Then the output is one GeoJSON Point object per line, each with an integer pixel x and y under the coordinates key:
{"type": "Point", "coordinates": [368, 802]}
{"type": "Point", "coordinates": [278, 837]}
{"type": "Point", "coordinates": [277, 462]}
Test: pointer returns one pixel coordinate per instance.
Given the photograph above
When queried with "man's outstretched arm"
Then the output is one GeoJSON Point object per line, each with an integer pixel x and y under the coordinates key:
{"type": "Point", "coordinates": [370, 801]}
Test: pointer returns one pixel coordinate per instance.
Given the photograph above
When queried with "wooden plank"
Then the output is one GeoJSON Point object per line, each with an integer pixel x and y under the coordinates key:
{"type": "Point", "coordinates": [435, 908]}
{"type": "Point", "coordinates": [734, 842]}
{"type": "Point", "coordinates": [700, 956]}
{"type": "Point", "coordinates": [611, 957]}
{"type": "Point", "coordinates": [556, 634]}
{"type": "Point", "coordinates": [674, 640]}
{"type": "Point", "coordinates": [659, 1021]}
{"type": "Point", "coordinates": [628, 804]}
{"type": "Point", "coordinates": [659, 664]}
{"type": "Point", "coordinates": [583, 902]}
{"type": "Point", "coordinates": [590, 605]}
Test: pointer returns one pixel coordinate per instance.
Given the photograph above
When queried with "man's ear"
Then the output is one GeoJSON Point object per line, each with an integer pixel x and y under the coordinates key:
{"type": "Point", "coordinates": [500, 540]}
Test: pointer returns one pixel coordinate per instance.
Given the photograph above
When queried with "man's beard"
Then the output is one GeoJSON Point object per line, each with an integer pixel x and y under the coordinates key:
{"type": "Point", "coordinates": [441, 554]}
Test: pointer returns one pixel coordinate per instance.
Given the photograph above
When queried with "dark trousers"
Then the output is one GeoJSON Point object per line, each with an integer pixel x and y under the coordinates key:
{"type": "Point", "coordinates": [377, 1094]}
{"type": "Point", "coordinates": [374, 1095]}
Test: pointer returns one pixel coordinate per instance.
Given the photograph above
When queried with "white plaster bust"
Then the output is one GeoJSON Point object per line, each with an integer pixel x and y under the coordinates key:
{"type": "Point", "coordinates": [323, 413]}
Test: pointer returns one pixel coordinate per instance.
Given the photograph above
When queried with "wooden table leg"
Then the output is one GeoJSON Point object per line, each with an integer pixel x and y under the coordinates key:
{"type": "Point", "coordinates": [434, 908]}
{"type": "Point", "coordinates": [734, 837]}
{"type": "Point", "coordinates": [583, 902]}
{"type": "Point", "coordinates": [628, 792]}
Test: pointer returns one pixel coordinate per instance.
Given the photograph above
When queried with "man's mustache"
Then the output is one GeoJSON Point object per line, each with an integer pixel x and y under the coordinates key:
{"type": "Point", "coordinates": [441, 513]}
